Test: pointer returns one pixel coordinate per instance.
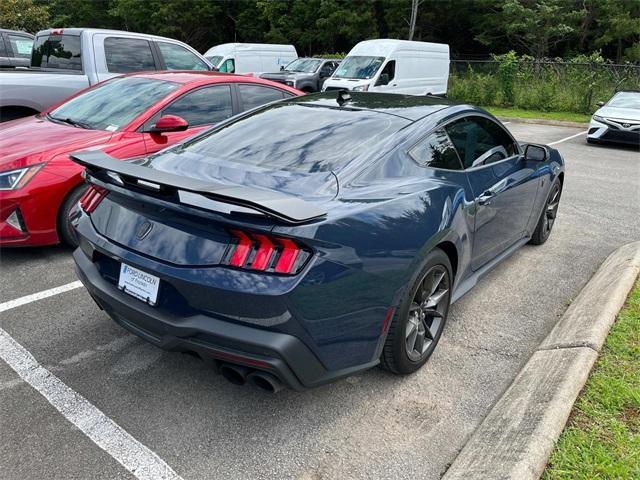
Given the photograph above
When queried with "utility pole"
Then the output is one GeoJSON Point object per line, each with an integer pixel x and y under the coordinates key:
{"type": "Point", "coordinates": [414, 16]}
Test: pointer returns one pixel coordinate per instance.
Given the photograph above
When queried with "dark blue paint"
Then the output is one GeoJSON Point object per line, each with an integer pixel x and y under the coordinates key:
{"type": "Point", "coordinates": [386, 216]}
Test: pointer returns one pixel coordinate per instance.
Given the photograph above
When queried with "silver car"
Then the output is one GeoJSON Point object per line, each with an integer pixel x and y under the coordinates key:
{"type": "Point", "coordinates": [618, 120]}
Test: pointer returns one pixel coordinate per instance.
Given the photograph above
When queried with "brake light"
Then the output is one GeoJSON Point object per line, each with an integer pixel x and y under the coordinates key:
{"type": "Point", "coordinates": [266, 253]}
{"type": "Point", "coordinates": [92, 197]}
{"type": "Point", "coordinates": [57, 31]}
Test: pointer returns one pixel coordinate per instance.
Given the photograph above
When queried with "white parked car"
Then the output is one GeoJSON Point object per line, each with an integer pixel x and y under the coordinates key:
{"type": "Point", "coordinates": [618, 120]}
{"type": "Point", "coordinates": [251, 57]}
{"type": "Point", "coordinates": [393, 66]}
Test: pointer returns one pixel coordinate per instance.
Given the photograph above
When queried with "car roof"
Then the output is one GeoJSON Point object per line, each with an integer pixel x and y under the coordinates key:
{"type": "Point", "coordinates": [21, 32]}
{"type": "Point", "coordinates": [410, 107]}
{"type": "Point", "coordinates": [196, 76]}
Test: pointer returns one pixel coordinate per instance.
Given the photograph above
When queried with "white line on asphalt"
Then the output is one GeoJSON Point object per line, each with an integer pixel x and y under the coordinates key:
{"type": "Point", "coordinates": [104, 432]}
{"type": "Point", "coordinates": [506, 123]}
{"type": "Point", "coordinates": [568, 138]}
{"type": "Point", "coordinates": [39, 296]}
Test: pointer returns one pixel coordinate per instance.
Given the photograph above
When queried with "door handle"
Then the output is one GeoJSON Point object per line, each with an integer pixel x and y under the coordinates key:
{"type": "Point", "coordinates": [486, 197]}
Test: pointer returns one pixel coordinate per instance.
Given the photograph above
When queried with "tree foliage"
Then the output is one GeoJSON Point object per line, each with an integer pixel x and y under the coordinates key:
{"type": "Point", "coordinates": [561, 28]}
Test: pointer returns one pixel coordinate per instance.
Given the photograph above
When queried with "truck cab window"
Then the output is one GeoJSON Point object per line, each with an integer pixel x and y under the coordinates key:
{"type": "Point", "coordinates": [179, 58]}
{"type": "Point", "coordinates": [57, 51]}
{"type": "Point", "coordinates": [128, 55]}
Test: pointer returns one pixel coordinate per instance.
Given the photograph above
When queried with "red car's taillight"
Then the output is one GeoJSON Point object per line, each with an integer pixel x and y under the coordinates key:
{"type": "Point", "coordinates": [265, 253]}
{"type": "Point", "coordinates": [92, 197]}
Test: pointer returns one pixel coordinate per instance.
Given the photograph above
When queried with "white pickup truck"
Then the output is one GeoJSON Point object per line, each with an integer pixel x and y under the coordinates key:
{"type": "Point", "coordinates": [64, 61]}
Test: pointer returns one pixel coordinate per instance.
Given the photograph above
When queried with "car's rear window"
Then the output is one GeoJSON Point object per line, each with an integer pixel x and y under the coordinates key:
{"type": "Point", "coordinates": [57, 51]}
{"type": "Point", "coordinates": [296, 137]}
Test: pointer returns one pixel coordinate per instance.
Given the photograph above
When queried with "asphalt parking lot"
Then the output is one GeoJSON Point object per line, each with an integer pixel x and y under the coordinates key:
{"type": "Point", "coordinates": [162, 410]}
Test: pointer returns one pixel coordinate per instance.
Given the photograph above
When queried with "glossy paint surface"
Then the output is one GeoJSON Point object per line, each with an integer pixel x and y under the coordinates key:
{"type": "Point", "coordinates": [385, 214]}
{"type": "Point", "coordinates": [37, 140]}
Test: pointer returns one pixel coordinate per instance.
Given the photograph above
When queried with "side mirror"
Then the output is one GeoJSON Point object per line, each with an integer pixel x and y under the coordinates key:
{"type": "Point", "coordinates": [600, 104]}
{"type": "Point", "coordinates": [169, 123]}
{"type": "Point", "coordinates": [535, 153]}
{"type": "Point", "coordinates": [282, 68]}
{"type": "Point", "coordinates": [383, 80]}
{"type": "Point", "coordinates": [325, 72]}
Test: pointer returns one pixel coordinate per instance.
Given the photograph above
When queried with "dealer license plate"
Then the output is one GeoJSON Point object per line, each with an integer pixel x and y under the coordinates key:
{"type": "Point", "coordinates": [139, 284]}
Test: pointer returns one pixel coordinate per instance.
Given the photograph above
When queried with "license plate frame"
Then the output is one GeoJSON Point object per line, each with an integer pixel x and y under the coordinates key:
{"type": "Point", "coordinates": [139, 284]}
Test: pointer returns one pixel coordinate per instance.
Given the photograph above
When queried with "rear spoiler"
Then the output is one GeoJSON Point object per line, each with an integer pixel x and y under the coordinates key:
{"type": "Point", "coordinates": [284, 207]}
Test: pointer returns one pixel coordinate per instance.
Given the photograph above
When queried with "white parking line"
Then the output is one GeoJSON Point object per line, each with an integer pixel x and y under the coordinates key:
{"type": "Point", "coordinates": [104, 432]}
{"type": "Point", "coordinates": [38, 296]}
{"type": "Point", "coordinates": [143, 463]}
{"type": "Point", "coordinates": [568, 138]}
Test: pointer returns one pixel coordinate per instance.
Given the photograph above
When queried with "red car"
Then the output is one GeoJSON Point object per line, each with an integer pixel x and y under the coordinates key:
{"type": "Point", "coordinates": [127, 117]}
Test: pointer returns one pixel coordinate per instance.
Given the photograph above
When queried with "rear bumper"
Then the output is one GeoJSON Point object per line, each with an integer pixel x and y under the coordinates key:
{"type": "Point", "coordinates": [280, 354]}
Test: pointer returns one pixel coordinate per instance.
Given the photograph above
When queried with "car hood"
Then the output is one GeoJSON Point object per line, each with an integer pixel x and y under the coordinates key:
{"type": "Point", "coordinates": [618, 112]}
{"type": "Point", "coordinates": [347, 83]}
{"type": "Point", "coordinates": [31, 140]}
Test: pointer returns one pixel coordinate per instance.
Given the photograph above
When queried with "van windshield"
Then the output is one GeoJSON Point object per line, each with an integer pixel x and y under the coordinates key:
{"type": "Point", "coordinates": [358, 67]}
{"type": "Point", "coordinates": [215, 59]}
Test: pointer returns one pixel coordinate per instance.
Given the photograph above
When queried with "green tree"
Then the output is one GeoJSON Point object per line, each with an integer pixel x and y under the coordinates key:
{"type": "Point", "coordinates": [23, 15]}
{"type": "Point", "coordinates": [619, 24]}
{"type": "Point", "coordinates": [531, 26]}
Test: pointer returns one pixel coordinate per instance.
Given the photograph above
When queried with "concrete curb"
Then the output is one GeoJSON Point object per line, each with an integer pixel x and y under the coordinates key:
{"type": "Point", "coordinates": [544, 121]}
{"type": "Point", "coordinates": [515, 440]}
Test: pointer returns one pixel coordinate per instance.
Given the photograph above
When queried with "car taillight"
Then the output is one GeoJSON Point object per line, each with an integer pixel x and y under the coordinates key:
{"type": "Point", "coordinates": [92, 197]}
{"type": "Point", "coordinates": [265, 253]}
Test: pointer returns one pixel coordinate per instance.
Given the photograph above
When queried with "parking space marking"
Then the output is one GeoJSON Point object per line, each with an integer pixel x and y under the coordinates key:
{"type": "Point", "coordinates": [39, 296]}
{"type": "Point", "coordinates": [104, 432]}
{"type": "Point", "coordinates": [567, 138]}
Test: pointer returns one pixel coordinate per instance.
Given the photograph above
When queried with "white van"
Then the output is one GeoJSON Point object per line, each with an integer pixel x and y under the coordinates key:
{"type": "Point", "coordinates": [250, 57]}
{"type": "Point", "coordinates": [394, 66]}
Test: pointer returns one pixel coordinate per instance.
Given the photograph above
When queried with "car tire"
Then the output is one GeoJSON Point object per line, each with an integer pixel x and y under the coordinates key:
{"type": "Point", "coordinates": [66, 233]}
{"type": "Point", "coordinates": [404, 353]}
{"type": "Point", "coordinates": [548, 214]}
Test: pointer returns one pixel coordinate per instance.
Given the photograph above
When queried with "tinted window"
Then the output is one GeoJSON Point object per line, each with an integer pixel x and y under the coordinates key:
{"type": "Point", "coordinates": [256, 95]}
{"type": "Point", "coordinates": [436, 151]}
{"type": "Point", "coordinates": [57, 51]}
{"type": "Point", "coordinates": [179, 58]}
{"type": "Point", "coordinates": [204, 106]}
{"type": "Point", "coordinates": [290, 137]}
{"type": "Point", "coordinates": [20, 45]}
{"type": "Point", "coordinates": [128, 55]}
{"type": "Point", "coordinates": [479, 140]}
{"type": "Point", "coordinates": [115, 103]}
{"type": "Point", "coordinates": [3, 50]}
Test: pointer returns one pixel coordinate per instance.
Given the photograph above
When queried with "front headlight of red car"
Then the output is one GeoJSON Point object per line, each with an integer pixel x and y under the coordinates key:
{"type": "Point", "coordinates": [18, 178]}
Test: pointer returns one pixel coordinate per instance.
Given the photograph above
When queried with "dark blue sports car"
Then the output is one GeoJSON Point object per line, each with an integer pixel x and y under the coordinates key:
{"type": "Point", "coordinates": [314, 237]}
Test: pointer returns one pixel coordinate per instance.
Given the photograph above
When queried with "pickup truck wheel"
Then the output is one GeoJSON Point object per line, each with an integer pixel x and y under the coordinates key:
{"type": "Point", "coordinates": [420, 319]}
{"type": "Point", "coordinates": [65, 231]}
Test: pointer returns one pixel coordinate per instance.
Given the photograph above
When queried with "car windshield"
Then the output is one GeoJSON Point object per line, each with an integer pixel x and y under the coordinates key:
{"type": "Point", "coordinates": [358, 67]}
{"type": "Point", "coordinates": [284, 137]}
{"type": "Point", "coordinates": [215, 60]}
{"type": "Point", "coordinates": [303, 65]}
{"type": "Point", "coordinates": [113, 104]}
{"type": "Point", "coordinates": [625, 100]}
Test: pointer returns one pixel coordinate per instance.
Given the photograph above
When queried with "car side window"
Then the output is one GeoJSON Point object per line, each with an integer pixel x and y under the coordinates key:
{"type": "Point", "coordinates": [480, 141]}
{"type": "Point", "coordinates": [255, 95]}
{"type": "Point", "coordinates": [3, 50]}
{"type": "Point", "coordinates": [203, 106]}
{"type": "Point", "coordinates": [20, 45]}
{"type": "Point", "coordinates": [128, 55]}
{"type": "Point", "coordinates": [179, 58]}
{"type": "Point", "coordinates": [389, 69]}
{"type": "Point", "coordinates": [436, 151]}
